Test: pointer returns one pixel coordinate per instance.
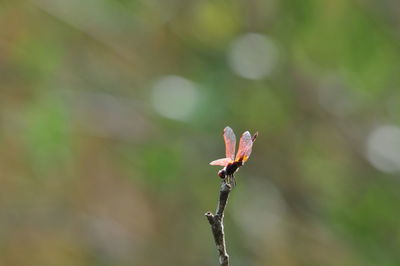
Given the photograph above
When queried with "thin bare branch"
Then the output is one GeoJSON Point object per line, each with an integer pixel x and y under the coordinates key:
{"type": "Point", "coordinates": [217, 223]}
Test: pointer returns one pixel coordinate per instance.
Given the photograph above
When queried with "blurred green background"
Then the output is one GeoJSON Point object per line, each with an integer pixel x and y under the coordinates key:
{"type": "Point", "coordinates": [111, 110]}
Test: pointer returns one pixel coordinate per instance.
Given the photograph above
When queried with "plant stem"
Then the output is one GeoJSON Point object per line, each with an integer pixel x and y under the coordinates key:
{"type": "Point", "coordinates": [217, 223]}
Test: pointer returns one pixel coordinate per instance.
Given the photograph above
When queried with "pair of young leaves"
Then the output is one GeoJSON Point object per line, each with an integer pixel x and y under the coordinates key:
{"type": "Point", "coordinates": [244, 151]}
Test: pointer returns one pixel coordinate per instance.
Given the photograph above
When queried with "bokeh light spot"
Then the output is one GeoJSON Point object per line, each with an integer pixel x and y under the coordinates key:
{"type": "Point", "coordinates": [383, 148]}
{"type": "Point", "coordinates": [175, 97]}
{"type": "Point", "coordinates": [253, 56]}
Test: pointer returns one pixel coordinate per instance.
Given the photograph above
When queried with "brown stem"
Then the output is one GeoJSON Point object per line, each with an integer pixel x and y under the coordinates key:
{"type": "Point", "coordinates": [217, 223]}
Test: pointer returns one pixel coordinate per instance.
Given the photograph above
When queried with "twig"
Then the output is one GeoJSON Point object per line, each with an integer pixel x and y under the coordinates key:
{"type": "Point", "coordinates": [217, 223]}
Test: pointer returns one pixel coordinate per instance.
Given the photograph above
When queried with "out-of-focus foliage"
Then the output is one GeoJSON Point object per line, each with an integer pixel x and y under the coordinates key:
{"type": "Point", "coordinates": [110, 111]}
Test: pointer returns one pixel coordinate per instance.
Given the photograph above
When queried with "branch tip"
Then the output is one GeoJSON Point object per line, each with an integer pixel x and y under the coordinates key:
{"type": "Point", "coordinates": [217, 223]}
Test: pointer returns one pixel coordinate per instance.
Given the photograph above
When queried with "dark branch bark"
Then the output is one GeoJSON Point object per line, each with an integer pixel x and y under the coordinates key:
{"type": "Point", "coordinates": [217, 223]}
